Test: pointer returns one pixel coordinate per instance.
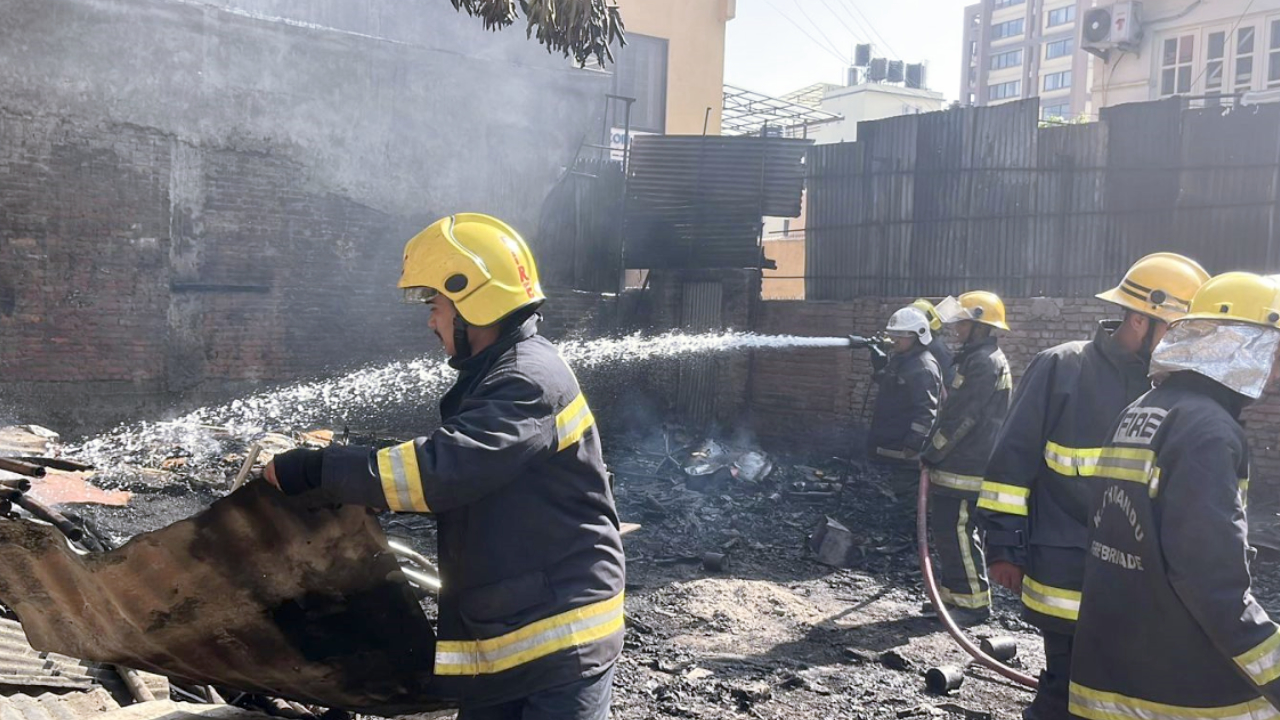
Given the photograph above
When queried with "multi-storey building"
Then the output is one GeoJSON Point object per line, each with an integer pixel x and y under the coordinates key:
{"type": "Point", "coordinates": [1017, 49]}
{"type": "Point", "coordinates": [1210, 52]}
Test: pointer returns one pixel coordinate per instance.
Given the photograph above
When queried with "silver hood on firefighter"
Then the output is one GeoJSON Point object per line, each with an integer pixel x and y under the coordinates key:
{"type": "Point", "coordinates": [1238, 355]}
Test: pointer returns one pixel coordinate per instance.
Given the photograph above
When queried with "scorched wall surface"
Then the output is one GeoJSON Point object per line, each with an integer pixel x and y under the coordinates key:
{"type": "Point", "coordinates": [200, 197]}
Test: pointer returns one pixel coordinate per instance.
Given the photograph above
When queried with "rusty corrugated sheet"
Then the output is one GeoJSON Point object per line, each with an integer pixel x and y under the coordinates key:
{"type": "Point", "coordinates": [260, 593]}
{"type": "Point", "coordinates": [698, 201]}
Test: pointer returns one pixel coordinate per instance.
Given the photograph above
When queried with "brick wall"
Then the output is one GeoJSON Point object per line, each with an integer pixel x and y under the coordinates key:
{"type": "Point", "coordinates": [820, 400]}
{"type": "Point", "coordinates": [138, 273]}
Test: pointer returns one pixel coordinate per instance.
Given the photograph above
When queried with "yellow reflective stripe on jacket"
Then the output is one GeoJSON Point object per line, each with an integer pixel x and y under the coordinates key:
{"type": "Point", "coordinates": [1006, 380]}
{"type": "Point", "coordinates": [1071, 461]}
{"type": "Point", "coordinates": [1098, 705]}
{"type": "Point", "coordinates": [898, 454]}
{"type": "Point", "coordinates": [1052, 601]}
{"type": "Point", "coordinates": [1244, 492]}
{"type": "Point", "coordinates": [1262, 663]}
{"type": "Point", "coordinates": [573, 422]}
{"type": "Point", "coordinates": [574, 628]}
{"type": "Point", "coordinates": [401, 481]}
{"type": "Point", "coordinates": [968, 483]}
{"type": "Point", "coordinates": [920, 429]}
{"type": "Point", "coordinates": [1009, 499]}
{"type": "Point", "coordinates": [1131, 464]}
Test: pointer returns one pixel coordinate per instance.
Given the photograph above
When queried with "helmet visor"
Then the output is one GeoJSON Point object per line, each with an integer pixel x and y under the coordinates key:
{"type": "Point", "coordinates": [415, 295]}
{"type": "Point", "coordinates": [951, 311]}
{"type": "Point", "coordinates": [1238, 355]}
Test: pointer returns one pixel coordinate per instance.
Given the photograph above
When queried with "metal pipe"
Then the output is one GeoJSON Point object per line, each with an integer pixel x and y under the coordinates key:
{"type": "Point", "coordinates": [931, 587]}
{"type": "Point", "coordinates": [133, 681]}
{"type": "Point", "coordinates": [421, 579]}
{"type": "Point", "coordinates": [56, 463]}
{"type": "Point", "coordinates": [412, 555]}
{"type": "Point", "coordinates": [22, 468]}
{"type": "Point", "coordinates": [17, 485]}
{"type": "Point", "coordinates": [43, 512]}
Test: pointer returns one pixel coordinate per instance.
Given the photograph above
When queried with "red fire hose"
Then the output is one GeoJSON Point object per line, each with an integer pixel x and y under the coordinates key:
{"type": "Point", "coordinates": [931, 587]}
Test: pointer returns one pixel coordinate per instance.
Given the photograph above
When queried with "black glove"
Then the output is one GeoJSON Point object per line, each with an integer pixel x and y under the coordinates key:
{"type": "Point", "coordinates": [298, 471]}
{"type": "Point", "coordinates": [879, 358]}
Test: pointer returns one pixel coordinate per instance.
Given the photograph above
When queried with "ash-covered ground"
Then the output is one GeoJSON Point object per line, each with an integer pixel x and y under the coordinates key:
{"type": "Point", "coordinates": [769, 632]}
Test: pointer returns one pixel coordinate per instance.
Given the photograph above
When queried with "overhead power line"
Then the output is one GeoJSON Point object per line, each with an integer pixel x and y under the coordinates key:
{"type": "Point", "coordinates": [818, 27]}
{"type": "Point", "coordinates": [806, 33]}
{"type": "Point", "coordinates": [853, 4]}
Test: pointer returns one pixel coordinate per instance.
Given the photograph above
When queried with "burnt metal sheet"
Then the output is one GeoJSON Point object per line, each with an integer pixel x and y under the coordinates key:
{"type": "Point", "coordinates": [260, 592]}
{"type": "Point", "coordinates": [698, 201]}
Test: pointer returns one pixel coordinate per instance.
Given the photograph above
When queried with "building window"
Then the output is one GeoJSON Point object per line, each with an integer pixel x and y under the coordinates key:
{"type": "Point", "coordinates": [1175, 65]}
{"type": "Point", "coordinates": [1059, 48]}
{"type": "Point", "coordinates": [641, 73]}
{"type": "Point", "coordinates": [973, 48]}
{"type": "Point", "coordinates": [1062, 16]}
{"type": "Point", "coordinates": [1012, 28]}
{"type": "Point", "coordinates": [1273, 59]}
{"type": "Point", "coordinates": [1055, 112]}
{"type": "Point", "coordinates": [1003, 60]}
{"type": "Point", "coordinates": [1008, 3]}
{"type": "Point", "coordinates": [1000, 91]}
{"type": "Point", "coordinates": [1246, 39]}
{"type": "Point", "coordinates": [1057, 81]}
{"type": "Point", "coordinates": [1216, 53]}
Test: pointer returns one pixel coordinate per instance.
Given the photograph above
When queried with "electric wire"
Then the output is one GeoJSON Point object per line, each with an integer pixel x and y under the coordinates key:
{"type": "Point", "coordinates": [804, 32]}
{"type": "Point", "coordinates": [830, 43]}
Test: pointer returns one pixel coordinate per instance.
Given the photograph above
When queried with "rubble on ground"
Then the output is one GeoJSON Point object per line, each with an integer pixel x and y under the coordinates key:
{"type": "Point", "coordinates": [731, 610]}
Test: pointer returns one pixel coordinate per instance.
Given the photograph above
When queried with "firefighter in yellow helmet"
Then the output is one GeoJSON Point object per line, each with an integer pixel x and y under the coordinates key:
{"type": "Point", "coordinates": [956, 454]}
{"type": "Point", "coordinates": [1035, 493]}
{"type": "Point", "coordinates": [937, 345]}
{"type": "Point", "coordinates": [1169, 627]}
{"type": "Point", "coordinates": [530, 621]}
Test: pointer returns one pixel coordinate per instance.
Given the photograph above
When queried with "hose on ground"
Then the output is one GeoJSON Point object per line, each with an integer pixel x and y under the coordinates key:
{"type": "Point", "coordinates": [931, 587]}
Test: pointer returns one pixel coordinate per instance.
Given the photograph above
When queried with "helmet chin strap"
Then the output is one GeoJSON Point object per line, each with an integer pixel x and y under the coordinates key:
{"type": "Point", "coordinates": [461, 343]}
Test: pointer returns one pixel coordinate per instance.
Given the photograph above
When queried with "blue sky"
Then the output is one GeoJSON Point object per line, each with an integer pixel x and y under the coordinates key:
{"type": "Point", "coordinates": [775, 46]}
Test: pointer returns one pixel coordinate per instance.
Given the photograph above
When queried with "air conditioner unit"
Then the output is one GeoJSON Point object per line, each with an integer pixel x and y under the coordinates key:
{"type": "Point", "coordinates": [1112, 27]}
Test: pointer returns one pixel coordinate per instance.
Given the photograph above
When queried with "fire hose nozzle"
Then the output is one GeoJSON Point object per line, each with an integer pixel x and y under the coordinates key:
{"type": "Point", "coordinates": [858, 341]}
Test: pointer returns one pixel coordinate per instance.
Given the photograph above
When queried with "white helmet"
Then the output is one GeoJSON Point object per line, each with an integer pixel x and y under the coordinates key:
{"type": "Point", "coordinates": [910, 321]}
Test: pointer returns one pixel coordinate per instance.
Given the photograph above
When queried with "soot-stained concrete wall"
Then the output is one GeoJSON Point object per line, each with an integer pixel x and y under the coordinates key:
{"type": "Point", "coordinates": [199, 197]}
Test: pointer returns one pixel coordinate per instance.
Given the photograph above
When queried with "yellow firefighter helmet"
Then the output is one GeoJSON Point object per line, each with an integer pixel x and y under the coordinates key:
{"type": "Point", "coordinates": [930, 313]}
{"type": "Point", "coordinates": [1159, 285]}
{"type": "Point", "coordinates": [1238, 297]}
{"type": "Point", "coordinates": [984, 307]}
{"type": "Point", "coordinates": [478, 262]}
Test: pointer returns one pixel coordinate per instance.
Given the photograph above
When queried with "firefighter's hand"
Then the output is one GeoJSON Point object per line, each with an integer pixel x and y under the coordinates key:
{"type": "Point", "coordinates": [269, 474]}
{"type": "Point", "coordinates": [879, 358]}
{"type": "Point", "coordinates": [296, 471]}
{"type": "Point", "coordinates": [1006, 574]}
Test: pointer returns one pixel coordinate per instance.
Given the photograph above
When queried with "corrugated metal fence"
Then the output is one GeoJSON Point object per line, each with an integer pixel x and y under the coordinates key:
{"type": "Point", "coordinates": [945, 202]}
